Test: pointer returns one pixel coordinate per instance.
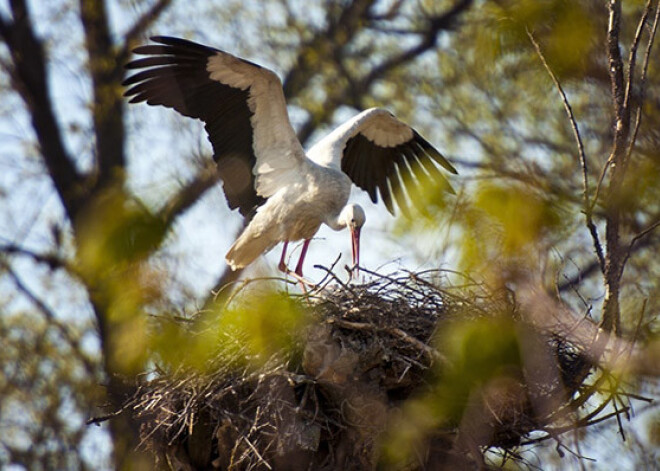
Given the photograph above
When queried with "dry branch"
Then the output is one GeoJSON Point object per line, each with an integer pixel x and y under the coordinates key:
{"type": "Point", "coordinates": [29, 75]}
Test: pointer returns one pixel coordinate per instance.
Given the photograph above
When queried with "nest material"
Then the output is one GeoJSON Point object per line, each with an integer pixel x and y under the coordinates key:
{"type": "Point", "coordinates": [368, 350]}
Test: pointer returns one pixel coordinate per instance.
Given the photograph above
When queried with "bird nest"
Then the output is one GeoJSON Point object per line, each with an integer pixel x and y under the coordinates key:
{"type": "Point", "coordinates": [348, 392]}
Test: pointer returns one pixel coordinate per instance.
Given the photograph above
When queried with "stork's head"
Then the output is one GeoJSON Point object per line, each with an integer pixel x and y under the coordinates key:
{"type": "Point", "coordinates": [353, 217]}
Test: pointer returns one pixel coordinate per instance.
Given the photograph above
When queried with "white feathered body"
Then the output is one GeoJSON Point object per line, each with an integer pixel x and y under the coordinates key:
{"type": "Point", "coordinates": [303, 191]}
{"type": "Point", "coordinates": [296, 211]}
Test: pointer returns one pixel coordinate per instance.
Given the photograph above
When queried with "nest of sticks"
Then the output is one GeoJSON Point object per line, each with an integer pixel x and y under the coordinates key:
{"type": "Point", "coordinates": [334, 400]}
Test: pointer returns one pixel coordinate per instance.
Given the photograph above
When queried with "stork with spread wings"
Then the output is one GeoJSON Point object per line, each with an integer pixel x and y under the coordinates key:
{"type": "Point", "coordinates": [266, 174]}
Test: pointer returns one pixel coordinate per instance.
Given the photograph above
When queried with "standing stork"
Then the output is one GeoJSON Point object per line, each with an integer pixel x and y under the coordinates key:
{"type": "Point", "coordinates": [285, 194]}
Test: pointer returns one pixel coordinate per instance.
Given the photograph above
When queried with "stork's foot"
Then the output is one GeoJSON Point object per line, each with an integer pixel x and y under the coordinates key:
{"type": "Point", "coordinates": [353, 272]}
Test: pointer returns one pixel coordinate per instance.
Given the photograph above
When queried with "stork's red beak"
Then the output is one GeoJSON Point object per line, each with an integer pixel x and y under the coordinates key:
{"type": "Point", "coordinates": [355, 237]}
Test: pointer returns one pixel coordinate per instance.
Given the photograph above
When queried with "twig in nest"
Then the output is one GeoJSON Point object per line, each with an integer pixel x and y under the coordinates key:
{"type": "Point", "coordinates": [431, 352]}
{"type": "Point", "coordinates": [256, 452]}
{"type": "Point", "coordinates": [336, 278]}
{"type": "Point", "coordinates": [321, 285]}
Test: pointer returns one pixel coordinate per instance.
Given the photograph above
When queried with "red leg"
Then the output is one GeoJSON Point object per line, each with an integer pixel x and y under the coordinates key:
{"type": "Point", "coordinates": [298, 273]}
{"type": "Point", "coordinates": [282, 265]}
{"type": "Point", "coordinates": [302, 257]}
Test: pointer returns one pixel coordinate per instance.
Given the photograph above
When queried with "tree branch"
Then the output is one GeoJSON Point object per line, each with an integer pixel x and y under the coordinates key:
{"type": "Point", "coordinates": [573, 282]}
{"type": "Point", "coordinates": [617, 256]}
{"type": "Point", "coordinates": [586, 206]}
{"type": "Point", "coordinates": [30, 78]}
{"type": "Point", "coordinates": [613, 264]}
{"type": "Point", "coordinates": [139, 27]}
{"type": "Point", "coordinates": [220, 291]}
{"type": "Point", "coordinates": [52, 320]}
{"type": "Point", "coordinates": [108, 118]}
{"type": "Point", "coordinates": [616, 62]}
{"type": "Point", "coordinates": [52, 260]}
{"type": "Point", "coordinates": [340, 30]}
{"type": "Point", "coordinates": [107, 109]}
{"type": "Point", "coordinates": [360, 87]}
{"type": "Point", "coordinates": [185, 198]}
{"type": "Point", "coordinates": [435, 25]}
{"type": "Point", "coordinates": [632, 56]}
{"type": "Point", "coordinates": [639, 242]}
{"type": "Point", "coordinates": [639, 237]}
{"type": "Point", "coordinates": [642, 80]}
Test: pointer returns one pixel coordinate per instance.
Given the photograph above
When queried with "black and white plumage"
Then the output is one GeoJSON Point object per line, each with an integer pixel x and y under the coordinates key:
{"type": "Point", "coordinates": [265, 172]}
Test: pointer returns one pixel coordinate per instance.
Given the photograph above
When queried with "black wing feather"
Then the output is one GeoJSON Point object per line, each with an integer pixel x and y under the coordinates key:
{"type": "Point", "coordinates": [395, 172]}
{"type": "Point", "coordinates": [174, 75]}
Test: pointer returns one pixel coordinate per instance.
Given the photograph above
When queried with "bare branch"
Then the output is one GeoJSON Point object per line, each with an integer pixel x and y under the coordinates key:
{"type": "Point", "coordinates": [649, 46]}
{"type": "Point", "coordinates": [617, 256]}
{"type": "Point", "coordinates": [556, 431]}
{"type": "Point", "coordinates": [639, 237]}
{"type": "Point", "coordinates": [221, 289]}
{"type": "Point", "coordinates": [616, 62]}
{"type": "Point", "coordinates": [340, 30]}
{"type": "Point", "coordinates": [632, 57]}
{"type": "Point", "coordinates": [107, 108]}
{"type": "Point", "coordinates": [642, 80]}
{"type": "Point", "coordinates": [52, 319]}
{"type": "Point", "coordinates": [360, 87]}
{"type": "Point", "coordinates": [29, 76]}
{"type": "Point", "coordinates": [599, 185]}
{"type": "Point", "coordinates": [52, 260]}
{"type": "Point", "coordinates": [586, 206]}
{"type": "Point", "coordinates": [435, 25]}
{"type": "Point", "coordinates": [139, 27]}
{"type": "Point", "coordinates": [574, 281]}
{"type": "Point", "coordinates": [187, 196]}
{"type": "Point", "coordinates": [613, 263]}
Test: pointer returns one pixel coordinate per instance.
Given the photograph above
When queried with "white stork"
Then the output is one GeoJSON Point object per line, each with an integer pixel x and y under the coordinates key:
{"type": "Point", "coordinates": [285, 194]}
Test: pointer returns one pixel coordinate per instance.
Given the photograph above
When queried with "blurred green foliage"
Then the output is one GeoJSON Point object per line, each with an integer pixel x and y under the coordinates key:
{"type": "Point", "coordinates": [505, 225]}
{"type": "Point", "coordinates": [116, 237]}
{"type": "Point", "coordinates": [246, 335]}
{"type": "Point", "coordinates": [477, 353]}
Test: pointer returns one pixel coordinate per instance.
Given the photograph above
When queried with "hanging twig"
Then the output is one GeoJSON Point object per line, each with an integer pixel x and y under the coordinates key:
{"type": "Point", "coordinates": [642, 80]}
{"type": "Point", "coordinates": [638, 237]}
{"type": "Point", "coordinates": [586, 206]}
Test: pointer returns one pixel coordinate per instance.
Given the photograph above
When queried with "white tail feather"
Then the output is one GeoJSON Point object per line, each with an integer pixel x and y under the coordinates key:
{"type": "Point", "coordinates": [247, 248]}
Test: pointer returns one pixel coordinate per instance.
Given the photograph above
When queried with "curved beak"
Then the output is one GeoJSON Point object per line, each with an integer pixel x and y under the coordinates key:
{"type": "Point", "coordinates": [355, 238]}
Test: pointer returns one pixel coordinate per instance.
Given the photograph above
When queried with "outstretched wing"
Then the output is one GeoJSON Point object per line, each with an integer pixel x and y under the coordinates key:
{"type": "Point", "coordinates": [383, 155]}
{"type": "Point", "coordinates": [241, 104]}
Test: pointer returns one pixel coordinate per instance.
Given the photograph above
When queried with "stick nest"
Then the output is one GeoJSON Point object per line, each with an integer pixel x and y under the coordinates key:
{"type": "Point", "coordinates": [338, 397]}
